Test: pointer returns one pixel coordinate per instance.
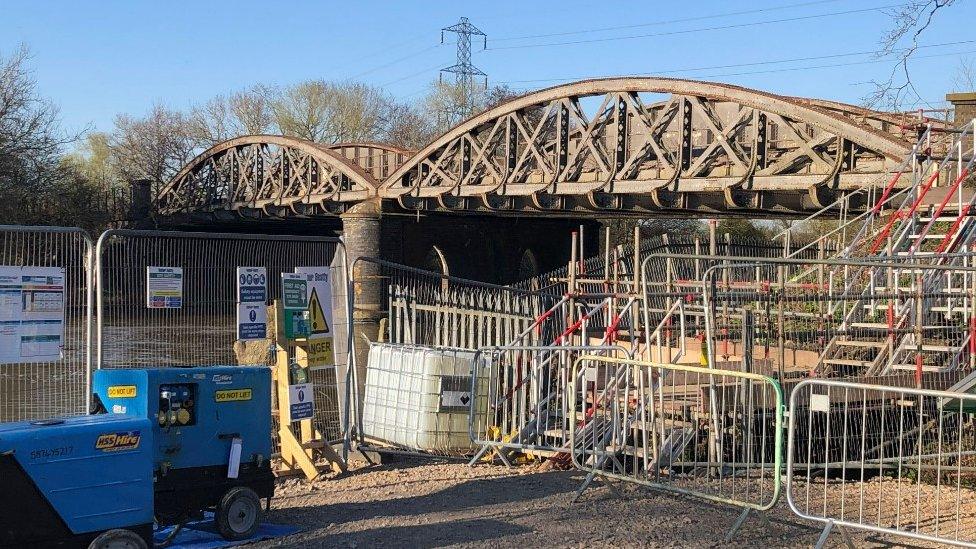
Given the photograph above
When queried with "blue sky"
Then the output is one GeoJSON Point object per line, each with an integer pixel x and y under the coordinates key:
{"type": "Point", "coordinates": [98, 59]}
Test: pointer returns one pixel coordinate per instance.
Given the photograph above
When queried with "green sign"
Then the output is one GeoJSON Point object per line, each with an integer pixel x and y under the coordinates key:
{"type": "Point", "coordinates": [296, 324]}
{"type": "Point", "coordinates": [294, 291]}
{"type": "Point", "coordinates": [294, 301]}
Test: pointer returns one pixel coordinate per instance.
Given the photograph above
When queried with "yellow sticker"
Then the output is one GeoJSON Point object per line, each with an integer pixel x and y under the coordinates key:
{"type": "Point", "coordinates": [232, 395]}
{"type": "Point", "coordinates": [122, 391]}
{"type": "Point", "coordinates": [112, 442]}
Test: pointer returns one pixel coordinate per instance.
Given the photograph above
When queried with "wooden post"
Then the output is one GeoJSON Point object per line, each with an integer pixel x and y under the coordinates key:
{"type": "Point", "coordinates": [299, 452]}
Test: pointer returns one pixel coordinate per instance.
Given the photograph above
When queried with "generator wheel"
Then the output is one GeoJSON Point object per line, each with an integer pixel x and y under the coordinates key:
{"type": "Point", "coordinates": [239, 514]}
{"type": "Point", "coordinates": [118, 539]}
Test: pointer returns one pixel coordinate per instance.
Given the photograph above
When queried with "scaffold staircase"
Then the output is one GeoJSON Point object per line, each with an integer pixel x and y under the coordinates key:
{"type": "Point", "coordinates": [909, 318]}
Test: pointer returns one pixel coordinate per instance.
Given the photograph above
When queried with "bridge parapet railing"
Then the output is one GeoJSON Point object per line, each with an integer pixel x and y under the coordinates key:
{"type": "Point", "coordinates": [421, 307]}
{"type": "Point", "coordinates": [46, 293]}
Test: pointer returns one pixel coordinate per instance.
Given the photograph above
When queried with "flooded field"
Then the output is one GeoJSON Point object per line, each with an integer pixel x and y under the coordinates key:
{"type": "Point", "coordinates": [35, 391]}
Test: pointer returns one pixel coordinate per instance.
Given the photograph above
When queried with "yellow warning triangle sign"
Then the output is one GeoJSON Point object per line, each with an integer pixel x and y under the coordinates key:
{"type": "Point", "coordinates": [317, 322]}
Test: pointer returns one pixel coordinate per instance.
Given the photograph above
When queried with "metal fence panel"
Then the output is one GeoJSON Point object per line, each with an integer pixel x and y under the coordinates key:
{"type": "Point", "coordinates": [428, 308]}
{"type": "Point", "coordinates": [44, 389]}
{"type": "Point", "coordinates": [204, 329]}
{"type": "Point", "coordinates": [886, 459]}
{"type": "Point", "coordinates": [713, 434]}
{"type": "Point", "coordinates": [843, 320]}
{"type": "Point", "coordinates": [907, 320]}
{"type": "Point", "coordinates": [526, 391]}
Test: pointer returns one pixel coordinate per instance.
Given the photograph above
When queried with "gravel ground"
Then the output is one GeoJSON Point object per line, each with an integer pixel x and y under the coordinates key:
{"type": "Point", "coordinates": [423, 504]}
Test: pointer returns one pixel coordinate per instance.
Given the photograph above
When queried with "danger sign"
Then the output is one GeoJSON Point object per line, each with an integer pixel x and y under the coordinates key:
{"type": "Point", "coordinates": [318, 324]}
{"type": "Point", "coordinates": [320, 337]}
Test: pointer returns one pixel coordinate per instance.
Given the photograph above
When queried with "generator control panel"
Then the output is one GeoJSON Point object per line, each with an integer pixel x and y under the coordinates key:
{"type": "Point", "coordinates": [177, 405]}
{"type": "Point", "coordinates": [196, 413]}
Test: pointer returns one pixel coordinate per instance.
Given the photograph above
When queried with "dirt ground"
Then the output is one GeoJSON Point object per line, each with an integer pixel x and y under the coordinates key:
{"type": "Point", "coordinates": [417, 503]}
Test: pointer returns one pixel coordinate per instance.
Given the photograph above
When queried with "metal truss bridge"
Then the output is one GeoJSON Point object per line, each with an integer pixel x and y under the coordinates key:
{"type": "Point", "coordinates": [615, 146]}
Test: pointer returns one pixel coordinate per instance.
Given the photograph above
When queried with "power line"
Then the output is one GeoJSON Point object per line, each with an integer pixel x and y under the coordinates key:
{"type": "Point", "coordinates": [793, 69]}
{"type": "Point", "coordinates": [851, 64]}
{"type": "Point", "coordinates": [700, 29]}
{"type": "Point", "coordinates": [667, 22]}
{"type": "Point", "coordinates": [394, 62]}
{"type": "Point", "coordinates": [411, 75]}
{"type": "Point", "coordinates": [411, 40]}
{"type": "Point", "coordinates": [758, 63]}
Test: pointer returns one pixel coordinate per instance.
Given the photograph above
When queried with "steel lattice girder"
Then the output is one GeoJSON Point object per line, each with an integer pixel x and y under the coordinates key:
{"type": "Point", "coordinates": [704, 147]}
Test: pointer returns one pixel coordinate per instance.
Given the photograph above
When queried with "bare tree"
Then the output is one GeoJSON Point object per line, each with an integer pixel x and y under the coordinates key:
{"type": "Point", "coordinates": [36, 188]}
{"type": "Point", "coordinates": [407, 127]}
{"type": "Point", "coordinates": [225, 117]}
{"type": "Point", "coordinates": [909, 21]}
{"type": "Point", "coordinates": [30, 137]}
{"type": "Point", "coordinates": [155, 147]}
{"type": "Point", "coordinates": [327, 112]}
{"type": "Point", "coordinates": [210, 123]}
{"type": "Point", "coordinates": [252, 111]}
{"type": "Point", "coordinates": [450, 104]}
{"type": "Point", "coordinates": [965, 78]}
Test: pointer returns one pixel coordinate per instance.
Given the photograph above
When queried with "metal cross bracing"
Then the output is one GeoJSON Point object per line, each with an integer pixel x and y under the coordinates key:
{"type": "Point", "coordinates": [629, 146]}
{"type": "Point", "coordinates": [258, 175]}
{"type": "Point", "coordinates": [646, 144]}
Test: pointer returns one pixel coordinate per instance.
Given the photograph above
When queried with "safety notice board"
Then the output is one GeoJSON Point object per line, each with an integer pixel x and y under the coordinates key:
{"type": "Point", "coordinates": [31, 314]}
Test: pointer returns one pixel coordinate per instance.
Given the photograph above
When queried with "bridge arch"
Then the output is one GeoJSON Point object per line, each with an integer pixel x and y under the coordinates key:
{"type": "Point", "coordinates": [258, 175]}
{"type": "Point", "coordinates": [706, 147]}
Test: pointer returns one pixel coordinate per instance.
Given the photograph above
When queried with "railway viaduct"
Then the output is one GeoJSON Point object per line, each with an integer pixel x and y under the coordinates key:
{"type": "Point", "coordinates": [495, 197]}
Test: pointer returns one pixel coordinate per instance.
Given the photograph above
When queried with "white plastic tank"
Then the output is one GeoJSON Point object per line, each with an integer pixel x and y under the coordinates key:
{"type": "Point", "coordinates": [419, 398]}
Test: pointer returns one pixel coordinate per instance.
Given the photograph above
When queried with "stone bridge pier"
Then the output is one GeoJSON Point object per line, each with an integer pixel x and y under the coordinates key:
{"type": "Point", "coordinates": [500, 250]}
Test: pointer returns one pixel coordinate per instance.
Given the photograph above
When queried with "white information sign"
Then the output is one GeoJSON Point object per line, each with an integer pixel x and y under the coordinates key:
{"type": "Point", "coordinates": [252, 285]}
{"type": "Point", "coordinates": [320, 337]}
{"type": "Point", "coordinates": [31, 314]}
{"type": "Point", "coordinates": [455, 399]}
{"type": "Point", "coordinates": [164, 287]}
{"type": "Point", "coordinates": [252, 296]}
{"type": "Point", "coordinates": [301, 401]}
{"type": "Point", "coordinates": [252, 321]}
{"type": "Point", "coordinates": [820, 403]}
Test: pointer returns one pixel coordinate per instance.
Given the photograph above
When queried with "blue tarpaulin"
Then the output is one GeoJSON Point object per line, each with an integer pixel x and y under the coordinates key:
{"type": "Point", "coordinates": [203, 535]}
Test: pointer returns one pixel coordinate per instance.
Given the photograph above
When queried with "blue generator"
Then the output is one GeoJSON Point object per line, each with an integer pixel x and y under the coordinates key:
{"type": "Point", "coordinates": [161, 446]}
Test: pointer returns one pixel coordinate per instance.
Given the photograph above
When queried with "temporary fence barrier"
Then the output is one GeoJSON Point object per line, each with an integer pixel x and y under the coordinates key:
{"type": "Point", "coordinates": [426, 309]}
{"type": "Point", "coordinates": [907, 319]}
{"type": "Point", "coordinates": [885, 459]}
{"type": "Point", "coordinates": [520, 398]}
{"type": "Point", "coordinates": [46, 295]}
{"type": "Point", "coordinates": [703, 432]}
{"type": "Point", "coordinates": [137, 326]}
{"type": "Point", "coordinates": [850, 321]}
